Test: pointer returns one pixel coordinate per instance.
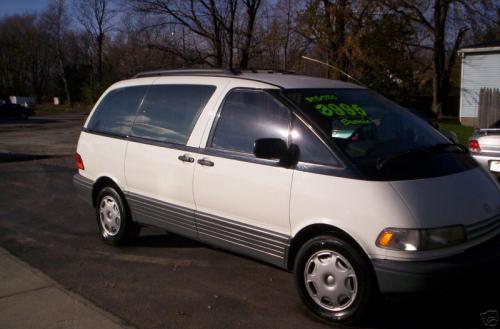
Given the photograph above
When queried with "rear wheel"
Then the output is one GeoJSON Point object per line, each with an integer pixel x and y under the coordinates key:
{"type": "Point", "coordinates": [113, 218]}
{"type": "Point", "coordinates": [333, 279]}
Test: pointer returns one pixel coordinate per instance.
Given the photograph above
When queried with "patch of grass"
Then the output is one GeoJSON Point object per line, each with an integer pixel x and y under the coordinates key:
{"type": "Point", "coordinates": [49, 108]}
{"type": "Point", "coordinates": [463, 132]}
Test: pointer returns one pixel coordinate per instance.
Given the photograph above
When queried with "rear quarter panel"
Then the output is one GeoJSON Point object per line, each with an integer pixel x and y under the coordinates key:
{"type": "Point", "coordinates": [102, 157]}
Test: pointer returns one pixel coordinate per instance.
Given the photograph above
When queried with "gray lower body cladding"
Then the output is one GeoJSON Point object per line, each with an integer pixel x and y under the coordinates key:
{"type": "Point", "coordinates": [173, 218]}
{"type": "Point", "coordinates": [83, 187]}
{"type": "Point", "coordinates": [264, 245]}
{"type": "Point", "coordinates": [249, 240]}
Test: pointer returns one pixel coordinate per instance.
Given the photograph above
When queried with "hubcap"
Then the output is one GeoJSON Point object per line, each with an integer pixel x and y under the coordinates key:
{"type": "Point", "coordinates": [330, 280]}
{"type": "Point", "coordinates": [109, 215]}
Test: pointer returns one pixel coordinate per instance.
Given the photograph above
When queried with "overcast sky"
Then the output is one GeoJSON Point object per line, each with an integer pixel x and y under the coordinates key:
{"type": "Point", "coordinates": [9, 7]}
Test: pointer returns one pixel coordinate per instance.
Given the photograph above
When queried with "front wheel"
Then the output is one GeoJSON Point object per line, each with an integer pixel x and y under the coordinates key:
{"type": "Point", "coordinates": [333, 279]}
{"type": "Point", "coordinates": [113, 218]}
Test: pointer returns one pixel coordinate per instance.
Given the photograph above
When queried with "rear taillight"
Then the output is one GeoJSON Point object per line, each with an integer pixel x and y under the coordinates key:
{"type": "Point", "coordinates": [474, 146]}
{"type": "Point", "coordinates": [79, 162]}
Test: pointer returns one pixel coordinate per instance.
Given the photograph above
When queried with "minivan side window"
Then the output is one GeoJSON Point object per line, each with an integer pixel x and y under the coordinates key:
{"type": "Point", "coordinates": [311, 149]}
{"type": "Point", "coordinates": [117, 110]}
{"type": "Point", "coordinates": [248, 115]}
{"type": "Point", "coordinates": [169, 112]}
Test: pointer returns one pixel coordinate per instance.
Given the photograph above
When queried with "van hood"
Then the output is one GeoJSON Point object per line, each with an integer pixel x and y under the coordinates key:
{"type": "Point", "coordinates": [464, 198]}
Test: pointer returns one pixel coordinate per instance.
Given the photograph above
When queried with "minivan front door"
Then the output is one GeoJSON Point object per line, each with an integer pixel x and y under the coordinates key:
{"type": "Point", "coordinates": [242, 202]}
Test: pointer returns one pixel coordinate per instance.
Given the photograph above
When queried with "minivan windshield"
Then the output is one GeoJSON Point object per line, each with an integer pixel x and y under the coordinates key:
{"type": "Point", "coordinates": [382, 139]}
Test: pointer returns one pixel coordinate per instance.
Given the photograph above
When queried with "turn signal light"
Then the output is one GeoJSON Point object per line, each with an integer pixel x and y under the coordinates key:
{"type": "Point", "coordinates": [79, 162]}
{"type": "Point", "coordinates": [474, 146]}
{"type": "Point", "coordinates": [385, 238]}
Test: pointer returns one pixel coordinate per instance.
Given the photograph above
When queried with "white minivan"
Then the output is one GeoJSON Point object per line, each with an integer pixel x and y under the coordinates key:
{"type": "Point", "coordinates": [351, 192]}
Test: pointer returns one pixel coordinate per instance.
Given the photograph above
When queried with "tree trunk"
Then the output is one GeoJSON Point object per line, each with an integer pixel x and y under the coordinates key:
{"type": "Point", "coordinates": [233, 4]}
{"type": "Point", "coordinates": [64, 80]}
{"type": "Point", "coordinates": [337, 35]}
{"type": "Point", "coordinates": [287, 37]}
{"type": "Point", "coordinates": [340, 36]}
{"type": "Point", "coordinates": [440, 81]}
{"type": "Point", "coordinates": [217, 36]}
{"type": "Point", "coordinates": [100, 40]}
{"type": "Point", "coordinates": [231, 48]}
{"type": "Point", "coordinates": [252, 8]}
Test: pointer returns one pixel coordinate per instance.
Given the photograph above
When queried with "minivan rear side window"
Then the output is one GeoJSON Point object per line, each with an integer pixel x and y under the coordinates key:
{"type": "Point", "coordinates": [117, 110]}
{"type": "Point", "coordinates": [248, 115]}
{"type": "Point", "coordinates": [169, 112]}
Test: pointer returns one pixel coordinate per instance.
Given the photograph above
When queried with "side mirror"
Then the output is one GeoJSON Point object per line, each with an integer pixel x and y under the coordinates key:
{"type": "Point", "coordinates": [270, 148]}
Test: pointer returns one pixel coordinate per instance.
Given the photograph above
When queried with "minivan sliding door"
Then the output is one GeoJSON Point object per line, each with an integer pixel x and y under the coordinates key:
{"type": "Point", "coordinates": [159, 165]}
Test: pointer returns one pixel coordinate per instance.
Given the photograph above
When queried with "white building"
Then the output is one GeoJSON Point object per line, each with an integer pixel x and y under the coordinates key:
{"type": "Point", "coordinates": [480, 69]}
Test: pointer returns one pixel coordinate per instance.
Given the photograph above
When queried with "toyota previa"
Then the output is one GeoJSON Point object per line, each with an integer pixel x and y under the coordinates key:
{"type": "Point", "coordinates": [350, 192]}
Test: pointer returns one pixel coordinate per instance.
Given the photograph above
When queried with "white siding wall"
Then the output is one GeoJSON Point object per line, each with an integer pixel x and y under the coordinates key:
{"type": "Point", "coordinates": [478, 71]}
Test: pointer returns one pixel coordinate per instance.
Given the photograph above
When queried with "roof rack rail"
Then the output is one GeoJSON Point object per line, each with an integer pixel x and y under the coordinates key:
{"type": "Point", "coordinates": [185, 72]}
{"type": "Point", "coordinates": [208, 72]}
{"type": "Point", "coordinates": [263, 70]}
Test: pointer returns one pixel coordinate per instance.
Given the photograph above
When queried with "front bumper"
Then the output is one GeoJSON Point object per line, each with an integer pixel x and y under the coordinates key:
{"type": "Point", "coordinates": [477, 264]}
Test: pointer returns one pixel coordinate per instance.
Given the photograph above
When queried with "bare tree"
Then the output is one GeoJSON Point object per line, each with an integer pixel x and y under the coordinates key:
{"type": "Point", "coordinates": [56, 21]}
{"type": "Point", "coordinates": [95, 17]}
{"type": "Point", "coordinates": [231, 11]}
{"type": "Point", "coordinates": [288, 32]}
{"type": "Point", "coordinates": [334, 26]}
{"type": "Point", "coordinates": [251, 10]}
{"type": "Point", "coordinates": [277, 45]}
{"type": "Point", "coordinates": [203, 18]}
{"type": "Point", "coordinates": [211, 21]}
{"type": "Point", "coordinates": [25, 57]}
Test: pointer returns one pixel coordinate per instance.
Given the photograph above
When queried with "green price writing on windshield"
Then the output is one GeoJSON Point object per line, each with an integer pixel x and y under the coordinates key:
{"type": "Point", "coordinates": [341, 110]}
{"type": "Point", "coordinates": [321, 98]}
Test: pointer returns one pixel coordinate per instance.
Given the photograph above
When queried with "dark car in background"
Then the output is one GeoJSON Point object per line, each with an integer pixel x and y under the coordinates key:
{"type": "Point", "coordinates": [10, 110]}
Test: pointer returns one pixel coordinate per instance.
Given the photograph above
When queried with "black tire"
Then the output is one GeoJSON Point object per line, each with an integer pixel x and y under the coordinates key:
{"type": "Point", "coordinates": [365, 287]}
{"type": "Point", "coordinates": [127, 230]}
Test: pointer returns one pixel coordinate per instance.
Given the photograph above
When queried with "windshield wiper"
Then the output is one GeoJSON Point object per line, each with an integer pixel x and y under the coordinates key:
{"type": "Point", "coordinates": [448, 147]}
{"type": "Point", "coordinates": [426, 151]}
{"type": "Point", "coordinates": [382, 162]}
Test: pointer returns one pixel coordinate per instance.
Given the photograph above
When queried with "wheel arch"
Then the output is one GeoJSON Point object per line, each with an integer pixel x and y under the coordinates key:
{"type": "Point", "coordinates": [103, 182]}
{"type": "Point", "coordinates": [313, 230]}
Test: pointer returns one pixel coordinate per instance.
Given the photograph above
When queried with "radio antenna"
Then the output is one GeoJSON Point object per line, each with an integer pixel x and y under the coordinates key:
{"type": "Point", "coordinates": [335, 68]}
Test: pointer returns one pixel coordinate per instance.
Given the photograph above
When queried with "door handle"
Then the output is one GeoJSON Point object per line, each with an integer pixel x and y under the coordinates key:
{"type": "Point", "coordinates": [186, 158]}
{"type": "Point", "coordinates": [206, 162]}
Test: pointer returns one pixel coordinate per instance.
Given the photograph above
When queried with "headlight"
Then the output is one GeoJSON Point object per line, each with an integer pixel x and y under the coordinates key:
{"type": "Point", "coordinates": [423, 239]}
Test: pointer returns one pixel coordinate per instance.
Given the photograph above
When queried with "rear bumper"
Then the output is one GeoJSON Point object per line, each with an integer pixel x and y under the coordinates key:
{"type": "Point", "coordinates": [484, 161]}
{"type": "Point", "coordinates": [83, 187]}
{"type": "Point", "coordinates": [441, 275]}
